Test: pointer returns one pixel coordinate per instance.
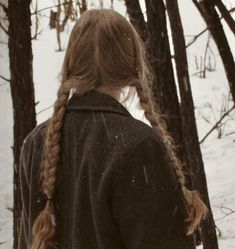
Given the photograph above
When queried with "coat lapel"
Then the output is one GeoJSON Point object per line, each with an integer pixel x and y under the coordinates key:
{"type": "Point", "coordinates": [96, 101]}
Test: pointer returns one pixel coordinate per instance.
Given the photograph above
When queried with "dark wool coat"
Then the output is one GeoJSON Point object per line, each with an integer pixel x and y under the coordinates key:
{"type": "Point", "coordinates": [115, 186]}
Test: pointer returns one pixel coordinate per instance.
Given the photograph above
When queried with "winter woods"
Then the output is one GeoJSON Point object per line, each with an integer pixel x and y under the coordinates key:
{"type": "Point", "coordinates": [160, 24]}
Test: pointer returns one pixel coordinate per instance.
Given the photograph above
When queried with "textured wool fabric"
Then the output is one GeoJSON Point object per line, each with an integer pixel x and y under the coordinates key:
{"type": "Point", "coordinates": [115, 186]}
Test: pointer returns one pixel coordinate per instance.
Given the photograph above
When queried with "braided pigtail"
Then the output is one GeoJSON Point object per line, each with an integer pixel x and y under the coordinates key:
{"type": "Point", "coordinates": [196, 208]}
{"type": "Point", "coordinates": [44, 226]}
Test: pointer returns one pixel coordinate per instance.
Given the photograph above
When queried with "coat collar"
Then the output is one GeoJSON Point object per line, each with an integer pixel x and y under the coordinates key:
{"type": "Point", "coordinates": [96, 101]}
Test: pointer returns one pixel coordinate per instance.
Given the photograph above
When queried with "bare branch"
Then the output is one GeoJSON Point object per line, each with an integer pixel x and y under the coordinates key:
{"type": "Point", "coordinates": [3, 28]}
{"type": "Point", "coordinates": [4, 78]}
{"type": "Point", "coordinates": [5, 9]}
{"type": "Point", "coordinates": [196, 37]}
{"type": "Point", "coordinates": [51, 7]}
{"type": "Point", "coordinates": [4, 43]}
{"type": "Point", "coordinates": [217, 123]}
{"type": "Point", "coordinates": [226, 15]}
{"type": "Point", "coordinates": [230, 133]}
{"type": "Point", "coordinates": [226, 213]}
{"type": "Point", "coordinates": [204, 30]}
{"type": "Point", "coordinates": [45, 109]}
{"type": "Point", "coordinates": [35, 35]}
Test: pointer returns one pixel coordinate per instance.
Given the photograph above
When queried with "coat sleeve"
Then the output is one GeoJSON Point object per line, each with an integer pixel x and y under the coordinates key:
{"type": "Point", "coordinates": [147, 203]}
{"type": "Point", "coordinates": [23, 239]}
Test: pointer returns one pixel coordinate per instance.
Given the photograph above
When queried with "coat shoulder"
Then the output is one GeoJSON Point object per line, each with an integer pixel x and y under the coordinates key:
{"type": "Point", "coordinates": [37, 133]}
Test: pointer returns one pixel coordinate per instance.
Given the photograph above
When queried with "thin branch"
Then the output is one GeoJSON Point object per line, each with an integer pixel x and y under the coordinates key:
{"type": "Point", "coordinates": [4, 7]}
{"type": "Point", "coordinates": [196, 73]}
{"type": "Point", "coordinates": [230, 133]}
{"type": "Point", "coordinates": [204, 30]}
{"type": "Point", "coordinates": [45, 109]}
{"type": "Point", "coordinates": [222, 209]}
{"type": "Point", "coordinates": [35, 35]}
{"type": "Point", "coordinates": [226, 15]}
{"type": "Point", "coordinates": [4, 43]}
{"type": "Point", "coordinates": [196, 37]}
{"type": "Point", "coordinates": [3, 28]}
{"type": "Point", "coordinates": [217, 123]}
{"type": "Point", "coordinates": [205, 54]}
{"type": "Point", "coordinates": [51, 7]}
{"type": "Point", "coordinates": [4, 78]}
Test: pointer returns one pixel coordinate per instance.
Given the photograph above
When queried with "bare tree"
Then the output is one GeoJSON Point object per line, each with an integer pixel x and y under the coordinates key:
{"type": "Point", "coordinates": [211, 17]}
{"type": "Point", "coordinates": [196, 166]}
{"type": "Point", "coordinates": [226, 15]}
{"type": "Point", "coordinates": [22, 89]}
{"type": "Point", "coordinates": [136, 17]}
{"type": "Point", "coordinates": [165, 92]}
{"type": "Point", "coordinates": [57, 24]}
{"type": "Point", "coordinates": [205, 30]}
{"type": "Point", "coordinates": [67, 4]}
{"type": "Point", "coordinates": [82, 5]}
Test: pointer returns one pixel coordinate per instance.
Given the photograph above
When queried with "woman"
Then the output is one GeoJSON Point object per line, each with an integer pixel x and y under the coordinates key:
{"type": "Point", "coordinates": [92, 176]}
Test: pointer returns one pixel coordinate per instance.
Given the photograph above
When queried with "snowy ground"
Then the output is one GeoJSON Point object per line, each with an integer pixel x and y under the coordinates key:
{"type": "Point", "coordinates": [209, 94]}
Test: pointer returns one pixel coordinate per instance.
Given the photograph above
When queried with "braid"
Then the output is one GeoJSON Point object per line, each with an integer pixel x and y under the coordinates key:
{"type": "Point", "coordinates": [44, 226]}
{"type": "Point", "coordinates": [88, 64]}
{"type": "Point", "coordinates": [196, 208]}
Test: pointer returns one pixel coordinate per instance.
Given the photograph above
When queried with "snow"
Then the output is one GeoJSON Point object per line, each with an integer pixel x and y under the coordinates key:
{"type": "Point", "coordinates": [209, 95]}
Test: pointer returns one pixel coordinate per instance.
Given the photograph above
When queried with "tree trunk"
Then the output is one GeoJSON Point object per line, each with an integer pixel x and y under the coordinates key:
{"type": "Point", "coordinates": [196, 166]}
{"type": "Point", "coordinates": [165, 92]}
{"type": "Point", "coordinates": [82, 5]}
{"type": "Point", "coordinates": [22, 89]}
{"type": "Point", "coordinates": [226, 15]}
{"type": "Point", "coordinates": [211, 17]}
{"type": "Point", "coordinates": [67, 14]}
{"type": "Point", "coordinates": [58, 27]}
{"type": "Point", "coordinates": [136, 18]}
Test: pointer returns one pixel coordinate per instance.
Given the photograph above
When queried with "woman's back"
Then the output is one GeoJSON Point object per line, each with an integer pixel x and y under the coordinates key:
{"type": "Point", "coordinates": [94, 177]}
{"type": "Point", "coordinates": [114, 188]}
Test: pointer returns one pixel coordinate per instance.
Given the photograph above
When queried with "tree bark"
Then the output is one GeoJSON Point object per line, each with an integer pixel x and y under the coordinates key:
{"type": "Point", "coordinates": [82, 5]}
{"type": "Point", "coordinates": [226, 15]}
{"type": "Point", "coordinates": [165, 92]}
{"type": "Point", "coordinates": [22, 90]}
{"type": "Point", "coordinates": [196, 166]}
{"type": "Point", "coordinates": [136, 18]}
{"type": "Point", "coordinates": [211, 17]}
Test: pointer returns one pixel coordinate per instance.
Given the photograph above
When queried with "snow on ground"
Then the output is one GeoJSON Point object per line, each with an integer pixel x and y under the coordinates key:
{"type": "Point", "coordinates": [210, 95]}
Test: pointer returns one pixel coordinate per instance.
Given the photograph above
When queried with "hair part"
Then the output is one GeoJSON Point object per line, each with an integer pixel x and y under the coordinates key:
{"type": "Point", "coordinates": [105, 38]}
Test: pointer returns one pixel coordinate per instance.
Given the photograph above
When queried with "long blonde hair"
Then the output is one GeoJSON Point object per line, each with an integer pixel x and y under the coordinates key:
{"type": "Point", "coordinates": [103, 48]}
